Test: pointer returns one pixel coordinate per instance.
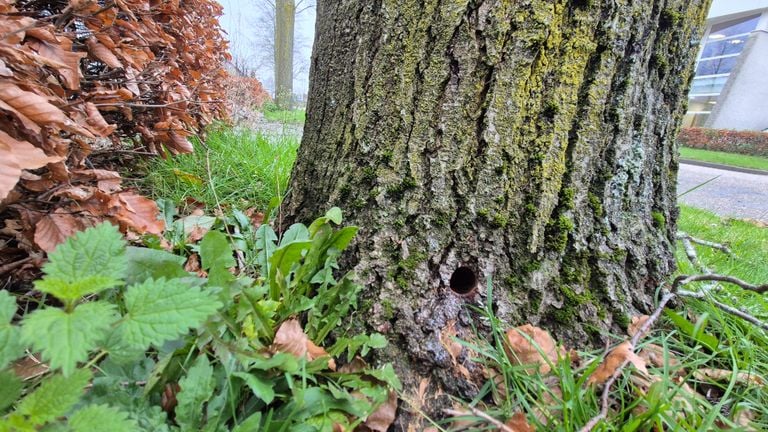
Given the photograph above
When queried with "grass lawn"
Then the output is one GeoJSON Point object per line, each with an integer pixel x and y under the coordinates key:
{"type": "Point", "coordinates": [284, 116]}
{"type": "Point", "coordinates": [733, 159]}
{"type": "Point", "coordinates": [247, 169]}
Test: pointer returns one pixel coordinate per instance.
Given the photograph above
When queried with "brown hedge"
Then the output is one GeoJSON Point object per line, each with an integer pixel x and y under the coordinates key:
{"type": "Point", "coordinates": [75, 74]}
{"type": "Point", "coordinates": [744, 142]}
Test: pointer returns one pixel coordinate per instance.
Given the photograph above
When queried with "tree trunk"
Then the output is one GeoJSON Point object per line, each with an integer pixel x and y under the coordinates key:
{"type": "Point", "coordinates": [531, 142]}
{"type": "Point", "coordinates": [285, 18]}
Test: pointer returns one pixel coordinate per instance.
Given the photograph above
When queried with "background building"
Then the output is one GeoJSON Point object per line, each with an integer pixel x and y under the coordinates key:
{"type": "Point", "coordinates": [730, 89]}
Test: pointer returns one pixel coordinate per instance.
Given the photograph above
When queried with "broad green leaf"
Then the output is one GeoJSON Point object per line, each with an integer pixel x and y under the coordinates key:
{"type": "Point", "coordinates": [334, 215]}
{"type": "Point", "coordinates": [286, 256]}
{"type": "Point", "coordinates": [265, 247]}
{"type": "Point", "coordinates": [188, 223]}
{"type": "Point", "coordinates": [341, 238]}
{"type": "Point", "coordinates": [74, 290]}
{"type": "Point", "coordinates": [262, 388]}
{"type": "Point", "coordinates": [252, 423]}
{"type": "Point", "coordinates": [11, 347]}
{"type": "Point", "coordinates": [161, 310]}
{"type": "Point", "coordinates": [386, 374]}
{"type": "Point", "coordinates": [55, 397]}
{"type": "Point", "coordinates": [196, 389]}
{"type": "Point", "coordinates": [215, 251]}
{"type": "Point", "coordinates": [146, 264]}
{"type": "Point", "coordinates": [66, 338]}
{"type": "Point", "coordinates": [283, 361]}
{"type": "Point", "coordinates": [296, 232]}
{"type": "Point", "coordinates": [97, 251]}
{"type": "Point", "coordinates": [10, 389]}
{"type": "Point", "coordinates": [216, 255]}
{"type": "Point", "coordinates": [101, 417]}
{"type": "Point", "coordinates": [692, 330]}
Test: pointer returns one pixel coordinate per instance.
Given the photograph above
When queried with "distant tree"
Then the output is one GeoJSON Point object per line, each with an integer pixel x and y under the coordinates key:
{"type": "Point", "coordinates": [276, 44]}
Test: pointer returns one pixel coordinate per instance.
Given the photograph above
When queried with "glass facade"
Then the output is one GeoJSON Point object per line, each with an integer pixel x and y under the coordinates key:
{"type": "Point", "coordinates": [719, 55]}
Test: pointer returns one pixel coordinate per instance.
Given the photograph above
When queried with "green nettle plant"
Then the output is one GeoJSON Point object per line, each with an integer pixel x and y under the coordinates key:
{"type": "Point", "coordinates": [134, 342]}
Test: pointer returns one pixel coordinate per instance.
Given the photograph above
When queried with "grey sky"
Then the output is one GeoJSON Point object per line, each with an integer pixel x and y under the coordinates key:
{"type": "Point", "coordinates": [240, 21]}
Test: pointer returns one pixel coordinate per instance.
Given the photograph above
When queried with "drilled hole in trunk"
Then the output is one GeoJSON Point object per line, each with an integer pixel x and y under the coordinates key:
{"type": "Point", "coordinates": [463, 281]}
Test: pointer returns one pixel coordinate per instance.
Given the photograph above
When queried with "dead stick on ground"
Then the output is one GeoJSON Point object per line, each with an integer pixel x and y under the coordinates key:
{"type": "Point", "coordinates": [721, 247]}
{"type": "Point", "coordinates": [478, 413]}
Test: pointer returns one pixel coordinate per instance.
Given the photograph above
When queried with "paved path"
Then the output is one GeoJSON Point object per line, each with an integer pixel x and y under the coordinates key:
{"type": "Point", "coordinates": [735, 194]}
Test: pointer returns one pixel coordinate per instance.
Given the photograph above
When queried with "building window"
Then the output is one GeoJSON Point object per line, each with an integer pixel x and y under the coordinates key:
{"type": "Point", "coordinates": [719, 55]}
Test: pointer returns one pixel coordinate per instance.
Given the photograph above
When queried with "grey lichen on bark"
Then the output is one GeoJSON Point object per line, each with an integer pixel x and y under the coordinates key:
{"type": "Point", "coordinates": [531, 141]}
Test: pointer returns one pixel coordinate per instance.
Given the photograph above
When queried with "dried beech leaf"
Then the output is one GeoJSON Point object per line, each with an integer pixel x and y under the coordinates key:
{"type": "Point", "coordinates": [537, 349]}
{"type": "Point", "coordinates": [97, 122]}
{"type": "Point", "coordinates": [38, 109]}
{"type": "Point", "coordinates": [15, 156]}
{"type": "Point", "coordinates": [519, 423]}
{"type": "Point", "coordinates": [614, 360]}
{"type": "Point", "coordinates": [54, 228]}
{"type": "Point", "coordinates": [98, 50]}
{"type": "Point", "coordinates": [138, 213]}
{"type": "Point", "coordinates": [654, 354]}
{"type": "Point", "coordinates": [723, 375]}
{"type": "Point", "coordinates": [381, 419]}
{"type": "Point", "coordinates": [291, 339]}
{"type": "Point", "coordinates": [637, 323]}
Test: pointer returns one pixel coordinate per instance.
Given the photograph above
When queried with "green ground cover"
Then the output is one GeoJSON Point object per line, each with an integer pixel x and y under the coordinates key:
{"type": "Point", "coordinates": [286, 116]}
{"type": "Point", "coordinates": [238, 168]}
{"type": "Point", "coordinates": [733, 159]}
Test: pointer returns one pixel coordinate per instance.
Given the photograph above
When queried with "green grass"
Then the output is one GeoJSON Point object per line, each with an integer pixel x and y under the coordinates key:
{"type": "Point", "coordinates": [732, 159]}
{"type": "Point", "coordinates": [285, 116]}
{"type": "Point", "coordinates": [247, 169]}
{"type": "Point", "coordinates": [567, 403]}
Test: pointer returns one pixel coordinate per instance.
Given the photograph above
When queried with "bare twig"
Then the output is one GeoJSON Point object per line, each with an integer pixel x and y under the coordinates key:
{"type": "Point", "coordinates": [476, 412]}
{"type": "Point", "coordinates": [725, 308]}
{"type": "Point", "coordinates": [684, 280]}
{"type": "Point", "coordinates": [721, 247]}
{"type": "Point", "coordinates": [693, 257]}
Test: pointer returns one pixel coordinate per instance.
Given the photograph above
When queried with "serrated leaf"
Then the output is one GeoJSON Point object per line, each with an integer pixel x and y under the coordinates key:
{"type": "Point", "coordinates": [11, 347]}
{"type": "Point", "coordinates": [101, 417]}
{"type": "Point", "coordinates": [66, 338]}
{"type": "Point", "coordinates": [7, 307]}
{"type": "Point", "coordinates": [54, 397]}
{"type": "Point", "coordinates": [215, 251]}
{"type": "Point", "coordinates": [161, 310]}
{"type": "Point", "coordinates": [262, 388]}
{"type": "Point", "coordinates": [146, 264]}
{"type": "Point", "coordinates": [10, 389]}
{"type": "Point", "coordinates": [97, 251]}
{"type": "Point", "coordinates": [74, 290]}
{"type": "Point", "coordinates": [196, 389]}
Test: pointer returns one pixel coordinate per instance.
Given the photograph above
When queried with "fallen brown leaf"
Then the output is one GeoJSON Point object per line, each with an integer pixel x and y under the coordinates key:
{"type": "Point", "coordinates": [537, 349]}
{"type": "Point", "coordinates": [384, 416]}
{"type": "Point", "coordinates": [637, 323]}
{"type": "Point", "coordinates": [291, 339]}
{"type": "Point", "coordinates": [614, 360]}
{"type": "Point", "coordinates": [720, 375]}
{"type": "Point", "coordinates": [519, 423]}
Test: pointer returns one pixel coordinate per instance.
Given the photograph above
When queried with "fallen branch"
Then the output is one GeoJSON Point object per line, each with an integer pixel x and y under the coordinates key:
{"type": "Point", "coordinates": [719, 246]}
{"type": "Point", "coordinates": [476, 412]}
{"type": "Point", "coordinates": [725, 308]}
{"type": "Point", "coordinates": [684, 280]}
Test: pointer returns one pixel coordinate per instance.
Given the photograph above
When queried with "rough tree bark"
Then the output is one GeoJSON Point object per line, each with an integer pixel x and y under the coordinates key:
{"type": "Point", "coordinates": [285, 19]}
{"type": "Point", "coordinates": [532, 142]}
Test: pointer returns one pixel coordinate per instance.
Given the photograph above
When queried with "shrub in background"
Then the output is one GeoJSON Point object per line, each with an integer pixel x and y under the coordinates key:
{"type": "Point", "coordinates": [744, 142]}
